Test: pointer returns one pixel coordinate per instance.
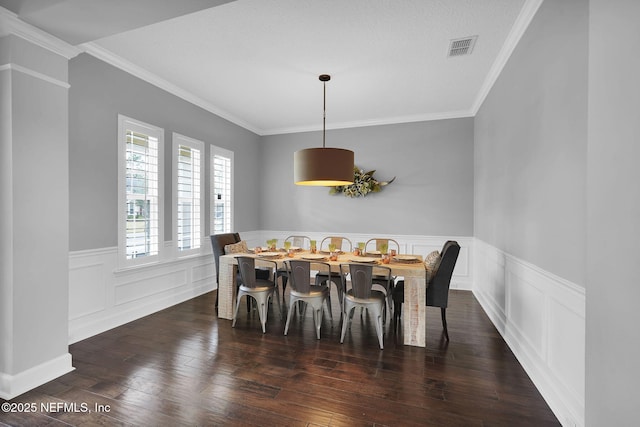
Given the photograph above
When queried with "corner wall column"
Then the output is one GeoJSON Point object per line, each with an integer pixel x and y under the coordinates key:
{"type": "Point", "coordinates": [34, 216]}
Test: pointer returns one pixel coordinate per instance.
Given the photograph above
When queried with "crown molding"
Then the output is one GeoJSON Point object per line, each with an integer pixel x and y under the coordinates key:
{"type": "Point", "coordinates": [109, 57]}
{"type": "Point", "coordinates": [10, 23]}
{"type": "Point", "coordinates": [517, 31]}
{"type": "Point", "coordinates": [375, 122]}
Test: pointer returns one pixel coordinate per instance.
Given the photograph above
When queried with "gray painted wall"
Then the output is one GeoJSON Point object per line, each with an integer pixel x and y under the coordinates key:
{"type": "Point", "coordinates": [99, 92]}
{"type": "Point", "coordinates": [432, 193]}
{"type": "Point", "coordinates": [613, 216]}
{"type": "Point", "coordinates": [530, 146]}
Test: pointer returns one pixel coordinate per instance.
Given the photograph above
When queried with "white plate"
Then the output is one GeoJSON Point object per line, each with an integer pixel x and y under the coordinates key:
{"type": "Point", "coordinates": [374, 252]}
{"type": "Point", "coordinates": [268, 254]}
{"type": "Point", "coordinates": [295, 248]}
{"type": "Point", "coordinates": [314, 257]}
{"type": "Point", "coordinates": [406, 258]}
{"type": "Point", "coordinates": [365, 260]}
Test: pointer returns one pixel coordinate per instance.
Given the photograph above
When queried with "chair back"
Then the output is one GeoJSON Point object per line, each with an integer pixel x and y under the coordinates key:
{"type": "Point", "coordinates": [247, 270]}
{"type": "Point", "coordinates": [218, 242]}
{"type": "Point", "coordinates": [303, 242]}
{"type": "Point", "coordinates": [342, 243]}
{"type": "Point", "coordinates": [299, 275]}
{"type": "Point", "coordinates": [391, 244]}
{"type": "Point", "coordinates": [438, 289]}
{"type": "Point", "coordinates": [361, 280]}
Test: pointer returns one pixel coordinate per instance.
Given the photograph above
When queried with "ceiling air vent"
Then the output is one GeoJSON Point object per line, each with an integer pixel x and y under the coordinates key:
{"type": "Point", "coordinates": [459, 47]}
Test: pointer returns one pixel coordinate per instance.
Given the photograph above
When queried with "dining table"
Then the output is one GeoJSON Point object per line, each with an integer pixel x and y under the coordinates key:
{"type": "Point", "coordinates": [410, 267]}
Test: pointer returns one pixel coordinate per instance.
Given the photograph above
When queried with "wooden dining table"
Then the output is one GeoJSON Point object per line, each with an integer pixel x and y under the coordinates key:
{"type": "Point", "coordinates": [414, 274]}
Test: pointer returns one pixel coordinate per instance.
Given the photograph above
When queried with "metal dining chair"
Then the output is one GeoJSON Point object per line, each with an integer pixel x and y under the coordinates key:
{"type": "Point", "coordinates": [361, 294]}
{"type": "Point", "coordinates": [259, 289]}
{"type": "Point", "coordinates": [303, 242]}
{"type": "Point", "coordinates": [379, 242]}
{"type": "Point", "coordinates": [322, 278]}
{"type": "Point", "coordinates": [341, 243]}
{"type": "Point", "coordinates": [302, 290]}
{"type": "Point", "coordinates": [380, 280]}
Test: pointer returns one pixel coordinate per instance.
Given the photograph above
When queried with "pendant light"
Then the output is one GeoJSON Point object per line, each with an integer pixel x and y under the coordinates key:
{"type": "Point", "coordinates": [323, 166]}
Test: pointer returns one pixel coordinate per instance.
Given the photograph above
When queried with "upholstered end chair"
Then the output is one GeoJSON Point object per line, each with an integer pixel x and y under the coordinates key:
{"type": "Point", "coordinates": [218, 243]}
{"type": "Point", "coordinates": [438, 282]}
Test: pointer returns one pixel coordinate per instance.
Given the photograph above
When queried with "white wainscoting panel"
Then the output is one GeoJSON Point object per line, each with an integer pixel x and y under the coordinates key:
{"type": "Point", "coordinates": [542, 318]}
{"type": "Point", "coordinates": [101, 297]}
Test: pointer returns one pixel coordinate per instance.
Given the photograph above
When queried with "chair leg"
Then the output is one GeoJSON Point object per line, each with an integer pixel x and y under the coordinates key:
{"type": "Point", "coordinates": [235, 313]}
{"type": "Point", "coordinates": [284, 285]}
{"type": "Point", "coordinates": [443, 313]}
{"type": "Point", "coordinates": [397, 311]}
{"type": "Point", "coordinates": [278, 301]}
{"type": "Point", "coordinates": [345, 321]}
{"type": "Point", "coordinates": [317, 320]}
{"type": "Point", "coordinates": [384, 313]}
{"type": "Point", "coordinates": [262, 312]}
{"type": "Point", "coordinates": [328, 300]}
{"type": "Point", "coordinates": [379, 328]}
{"type": "Point", "coordinates": [292, 306]}
{"type": "Point", "coordinates": [302, 308]}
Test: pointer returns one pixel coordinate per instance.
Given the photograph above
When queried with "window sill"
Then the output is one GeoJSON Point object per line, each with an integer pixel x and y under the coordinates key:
{"type": "Point", "coordinates": [126, 270]}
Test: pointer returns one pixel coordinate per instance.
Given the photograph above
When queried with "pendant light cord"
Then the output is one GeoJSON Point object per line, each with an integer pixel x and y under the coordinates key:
{"type": "Point", "coordinates": [324, 110]}
{"type": "Point", "coordinates": [324, 78]}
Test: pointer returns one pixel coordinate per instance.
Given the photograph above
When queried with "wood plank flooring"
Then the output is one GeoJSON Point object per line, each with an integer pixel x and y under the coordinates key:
{"type": "Point", "coordinates": [184, 366]}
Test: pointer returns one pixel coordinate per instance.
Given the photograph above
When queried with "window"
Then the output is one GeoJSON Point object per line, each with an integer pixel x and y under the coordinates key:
{"type": "Point", "coordinates": [221, 190]}
{"type": "Point", "coordinates": [187, 194]}
{"type": "Point", "coordinates": [139, 191]}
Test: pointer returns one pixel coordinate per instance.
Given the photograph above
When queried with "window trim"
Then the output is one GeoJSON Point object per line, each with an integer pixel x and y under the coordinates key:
{"type": "Point", "coordinates": [218, 151]}
{"type": "Point", "coordinates": [126, 123]}
{"type": "Point", "coordinates": [178, 140]}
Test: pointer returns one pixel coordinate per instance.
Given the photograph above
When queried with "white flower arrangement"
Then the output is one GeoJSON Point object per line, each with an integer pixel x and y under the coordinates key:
{"type": "Point", "coordinates": [363, 184]}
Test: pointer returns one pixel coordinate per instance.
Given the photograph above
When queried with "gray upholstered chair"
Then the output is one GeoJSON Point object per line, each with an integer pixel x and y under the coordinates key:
{"type": "Point", "coordinates": [361, 294]}
{"type": "Point", "coordinates": [259, 289]}
{"type": "Point", "coordinates": [301, 290]}
{"type": "Point", "coordinates": [437, 287]}
{"type": "Point", "coordinates": [218, 242]}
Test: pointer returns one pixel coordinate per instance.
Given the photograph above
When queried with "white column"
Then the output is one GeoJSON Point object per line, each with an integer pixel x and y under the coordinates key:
{"type": "Point", "coordinates": [34, 216]}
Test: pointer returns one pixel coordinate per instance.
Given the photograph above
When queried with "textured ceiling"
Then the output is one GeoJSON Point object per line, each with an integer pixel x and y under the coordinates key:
{"type": "Point", "coordinates": [256, 62]}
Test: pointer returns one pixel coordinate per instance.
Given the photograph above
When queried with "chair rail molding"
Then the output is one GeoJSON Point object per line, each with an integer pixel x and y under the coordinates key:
{"type": "Point", "coordinates": [542, 318]}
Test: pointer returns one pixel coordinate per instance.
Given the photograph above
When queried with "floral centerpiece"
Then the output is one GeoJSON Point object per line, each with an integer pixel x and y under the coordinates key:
{"type": "Point", "coordinates": [363, 184]}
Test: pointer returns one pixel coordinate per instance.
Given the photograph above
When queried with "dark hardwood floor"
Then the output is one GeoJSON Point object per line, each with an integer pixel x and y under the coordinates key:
{"type": "Point", "coordinates": [183, 366]}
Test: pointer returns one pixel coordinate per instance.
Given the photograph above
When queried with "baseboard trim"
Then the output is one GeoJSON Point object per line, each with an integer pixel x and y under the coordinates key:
{"type": "Point", "coordinates": [12, 386]}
